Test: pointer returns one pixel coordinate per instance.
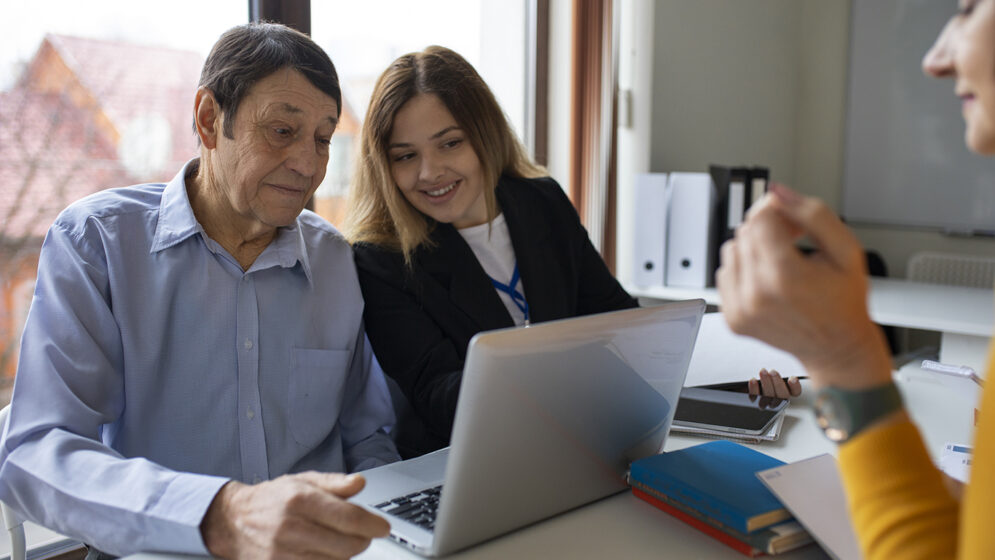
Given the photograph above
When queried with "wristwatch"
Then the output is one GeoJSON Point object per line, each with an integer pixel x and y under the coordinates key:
{"type": "Point", "coordinates": [843, 414]}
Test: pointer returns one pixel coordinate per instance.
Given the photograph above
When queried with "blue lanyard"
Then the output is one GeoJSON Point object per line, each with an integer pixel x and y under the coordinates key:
{"type": "Point", "coordinates": [511, 289]}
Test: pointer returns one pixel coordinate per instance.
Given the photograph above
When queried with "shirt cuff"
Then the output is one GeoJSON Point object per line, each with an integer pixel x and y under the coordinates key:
{"type": "Point", "coordinates": [181, 508]}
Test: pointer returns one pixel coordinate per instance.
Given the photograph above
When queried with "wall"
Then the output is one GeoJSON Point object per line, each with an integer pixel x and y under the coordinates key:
{"type": "Point", "coordinates": [822, 50]}
{"type": "Point", "coordinates": [724, 85]}
{"type": "Point", "coordinates": [635, 113]}
{"type": "Point", "coordinates": [762, 82]}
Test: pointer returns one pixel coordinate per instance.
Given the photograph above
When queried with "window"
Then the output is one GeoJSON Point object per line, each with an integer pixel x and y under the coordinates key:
{"type": "Point", "coordinates": [93, 95]}
{"type": "Point", "coordinates": [363, 38]}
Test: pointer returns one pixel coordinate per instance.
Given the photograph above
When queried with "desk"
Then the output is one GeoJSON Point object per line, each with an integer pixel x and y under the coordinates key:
{"type": "Point", "coordinates": [622, 526]}
{"type": "Point", "coordinates": [964, 317]}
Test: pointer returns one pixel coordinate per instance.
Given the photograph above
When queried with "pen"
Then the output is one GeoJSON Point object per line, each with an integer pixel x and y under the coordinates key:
{"type": "Point", "coordinates": [956, 371]}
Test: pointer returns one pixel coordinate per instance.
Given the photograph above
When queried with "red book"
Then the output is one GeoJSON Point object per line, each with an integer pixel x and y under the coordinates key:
{"type": "Point", "coordinates": [717, 534]}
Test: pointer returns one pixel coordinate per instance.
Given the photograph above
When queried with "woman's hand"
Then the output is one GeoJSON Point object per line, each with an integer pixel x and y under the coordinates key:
{"type": "Point", "coordinates": [771, 384]}
{"type": "Point", "coordinates": [813, 306]}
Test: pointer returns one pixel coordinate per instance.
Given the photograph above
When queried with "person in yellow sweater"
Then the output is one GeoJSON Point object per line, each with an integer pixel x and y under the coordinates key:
{"type": "Point", "coordinates": [815, 307]}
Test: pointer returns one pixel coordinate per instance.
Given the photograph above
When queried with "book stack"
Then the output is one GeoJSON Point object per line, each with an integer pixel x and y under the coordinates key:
{"type": "Point", "coordinates": [713, 488]}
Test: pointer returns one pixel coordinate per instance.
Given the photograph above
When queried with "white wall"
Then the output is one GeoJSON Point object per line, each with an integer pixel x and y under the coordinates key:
{"type": "Point", "coordinates": [635, 112]}
{"type": "Point", "coordinates": [759, 82]}
{"type": "Point", "coordinates": [822, 51]}
{"type": "Point", "coordinates": [725, 85]}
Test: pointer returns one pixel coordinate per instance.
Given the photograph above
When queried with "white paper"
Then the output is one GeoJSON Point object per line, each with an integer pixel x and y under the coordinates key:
{"type": "Point", "coordinates": [955, 460]}
{"type": "Point", "coordinates": [722, 356]}
{"type": "Point", "coordinates": [813, 492]}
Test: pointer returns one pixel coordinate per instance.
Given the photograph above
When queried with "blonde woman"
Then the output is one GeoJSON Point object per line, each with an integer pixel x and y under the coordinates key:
{"type": "Point", "coordinates": [457, 231]}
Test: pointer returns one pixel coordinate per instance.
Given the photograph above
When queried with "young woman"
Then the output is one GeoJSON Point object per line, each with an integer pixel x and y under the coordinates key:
{"type": "Point", "coordinates": [815, 307]}
{"type": "Point", "coordinates": [456, 231]}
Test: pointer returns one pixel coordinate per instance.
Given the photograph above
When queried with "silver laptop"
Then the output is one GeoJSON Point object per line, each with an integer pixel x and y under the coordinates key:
{"type": "Point", "coordinates": [549, 418]}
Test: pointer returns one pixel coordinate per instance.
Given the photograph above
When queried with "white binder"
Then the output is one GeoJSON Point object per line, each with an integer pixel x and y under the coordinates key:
{"type": "Point", "coordinates": [649, 229]}
{"type": "Point", "coordinates": [690, 236]}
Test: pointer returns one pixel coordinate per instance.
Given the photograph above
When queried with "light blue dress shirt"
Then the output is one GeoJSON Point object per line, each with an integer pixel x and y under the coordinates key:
{"type": "Point", "coordinates": [153, 369]}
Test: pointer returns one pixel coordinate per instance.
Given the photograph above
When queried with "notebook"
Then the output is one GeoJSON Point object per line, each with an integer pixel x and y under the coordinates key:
{"type": "Point", "coordinates": [716, 478]}
{"type": "Point", "coordinates": [549, 418]}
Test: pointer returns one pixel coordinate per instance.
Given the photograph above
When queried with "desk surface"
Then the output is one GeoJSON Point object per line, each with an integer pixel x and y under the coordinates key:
{"type": "Point", "coordinates": [622, 526]}
{"type": "Point", "coordinates": [952, 309]}
{"type": "Point", "coordinates": [900, 303]}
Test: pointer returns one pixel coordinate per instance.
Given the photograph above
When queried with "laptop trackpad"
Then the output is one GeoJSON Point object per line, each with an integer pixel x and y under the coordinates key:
{"type": "Point", "coordinates": [427, 468]}
{"type": "Point", "coordinates": [414, 474]}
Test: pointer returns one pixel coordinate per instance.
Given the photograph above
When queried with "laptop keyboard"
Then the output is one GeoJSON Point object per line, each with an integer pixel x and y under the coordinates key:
{"type": "Point", "coordinates": [417, 507]}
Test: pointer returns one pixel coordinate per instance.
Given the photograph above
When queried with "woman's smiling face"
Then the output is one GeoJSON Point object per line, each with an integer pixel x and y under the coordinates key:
{"type": "Point", "coordinates": [434, 165]}
{"type": "Point", "coordinates": [965, 51]}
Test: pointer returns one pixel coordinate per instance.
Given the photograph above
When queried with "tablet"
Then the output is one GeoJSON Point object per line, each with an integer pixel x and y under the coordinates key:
{"type": "Point", "coordinates": [737, 413]}
{"type": "Point", "coordinates": [773, 433]}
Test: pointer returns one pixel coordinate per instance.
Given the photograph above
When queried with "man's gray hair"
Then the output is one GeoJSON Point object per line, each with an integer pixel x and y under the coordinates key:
{"type": "Point", "coordinates": [248, 53]}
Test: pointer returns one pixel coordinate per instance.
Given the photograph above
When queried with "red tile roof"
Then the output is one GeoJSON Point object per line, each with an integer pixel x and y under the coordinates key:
{"type": "Point", "coordinates": [50, 155]}
{"type": "Point", "coordinates": [131, 80]}
{"type": "Point", "coordinates": [52, 152]}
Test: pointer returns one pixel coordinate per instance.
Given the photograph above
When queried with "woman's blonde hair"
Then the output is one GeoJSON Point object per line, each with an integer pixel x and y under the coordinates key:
{"type": "Point", "coordinates": [378, 212]}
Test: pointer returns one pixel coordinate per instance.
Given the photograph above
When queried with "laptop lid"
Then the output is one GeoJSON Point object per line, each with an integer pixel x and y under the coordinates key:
{"type": "Point", "coordinates": [550, 416]}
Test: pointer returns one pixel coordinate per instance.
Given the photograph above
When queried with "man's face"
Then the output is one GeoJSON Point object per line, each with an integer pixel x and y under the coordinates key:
{"type": "Point", "coordinates": [279, 152]}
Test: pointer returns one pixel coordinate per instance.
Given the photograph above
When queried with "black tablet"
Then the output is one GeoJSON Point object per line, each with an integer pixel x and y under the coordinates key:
{"type": "Point", "coordinates": [738, 413]}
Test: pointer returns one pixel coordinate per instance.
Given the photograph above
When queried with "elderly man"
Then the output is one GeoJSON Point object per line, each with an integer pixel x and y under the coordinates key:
{"type": "Point", "coordinates": [191, 344]}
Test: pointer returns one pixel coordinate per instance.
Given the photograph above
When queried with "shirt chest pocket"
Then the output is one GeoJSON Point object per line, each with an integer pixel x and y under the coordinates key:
{"type": "Point", "coordinates": [317, 384]}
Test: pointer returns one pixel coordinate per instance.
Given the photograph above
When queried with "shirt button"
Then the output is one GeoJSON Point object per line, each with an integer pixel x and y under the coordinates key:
{"type": "Point", "coordinates": [250, 413]}
{"type": "Point", "coordinates": [256, 479]}
{"type": "Point", "coordinates": [248, 344]}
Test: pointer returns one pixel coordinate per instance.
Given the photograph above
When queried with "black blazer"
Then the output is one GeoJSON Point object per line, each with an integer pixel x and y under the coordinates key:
{"type": "Point", "coordinates": [420, 320]}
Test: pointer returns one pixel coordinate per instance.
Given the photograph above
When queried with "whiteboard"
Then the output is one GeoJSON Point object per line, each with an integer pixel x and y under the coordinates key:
{"type": "Point", "coordinates": [905, 162]}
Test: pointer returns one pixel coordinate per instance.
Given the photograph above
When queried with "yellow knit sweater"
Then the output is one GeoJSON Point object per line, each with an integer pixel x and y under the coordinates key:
{"type": "Point", "coordinates": [898, 502]}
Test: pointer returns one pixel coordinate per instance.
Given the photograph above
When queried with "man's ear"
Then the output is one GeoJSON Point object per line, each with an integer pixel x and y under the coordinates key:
{"type": "Point", "coordinates": [207, 118]}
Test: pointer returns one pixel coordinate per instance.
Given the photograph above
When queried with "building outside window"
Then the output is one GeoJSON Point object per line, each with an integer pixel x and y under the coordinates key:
{"type": "Point", "coordinates": [93, 95]}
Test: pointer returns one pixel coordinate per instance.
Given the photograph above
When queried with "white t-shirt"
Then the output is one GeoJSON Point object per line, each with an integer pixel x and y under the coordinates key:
{"type": "Point", "coordinates": [491, 244]}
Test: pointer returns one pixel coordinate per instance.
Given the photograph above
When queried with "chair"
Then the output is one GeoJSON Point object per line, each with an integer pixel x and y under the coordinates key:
{"type": "Point", "coordinates": [46, 544]}
{"type": "Point", "coordinates": [13, 522]}
{"type": "Point", "coordinates": [951, 270]}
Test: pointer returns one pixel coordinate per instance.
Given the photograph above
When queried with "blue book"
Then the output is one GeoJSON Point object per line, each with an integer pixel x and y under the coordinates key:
{"type": "Point", "coordinates": [717, 479]}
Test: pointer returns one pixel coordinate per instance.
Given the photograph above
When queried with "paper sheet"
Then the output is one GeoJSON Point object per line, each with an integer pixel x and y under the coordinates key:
{"type": "Point", "coordinates": [955, 460]}
{"type": "Point", "coordinates": [722, 356]}
{"type": "Point", "coordinates": [813, 491]}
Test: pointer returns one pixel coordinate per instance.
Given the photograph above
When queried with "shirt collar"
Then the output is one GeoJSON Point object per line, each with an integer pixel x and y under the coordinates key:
{"type": "Point", "coordinates": [176, 219]}
{"type": "Point", "coordinates": [177, 222]}
{"type": "Point", "coordinates": [287, 249]}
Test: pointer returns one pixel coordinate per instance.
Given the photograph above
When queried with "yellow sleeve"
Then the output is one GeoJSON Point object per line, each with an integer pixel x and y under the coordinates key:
{"type": "Point", "coordinates": [899, 505]}
{"type": "Point", "coordinates": [977, 531]}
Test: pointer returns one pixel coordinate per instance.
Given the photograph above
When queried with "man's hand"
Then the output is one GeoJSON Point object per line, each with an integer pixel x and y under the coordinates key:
{"type": "Point", "coordinates": [293, 516]}
{"type": "Point", "coordinates": [813, 306]}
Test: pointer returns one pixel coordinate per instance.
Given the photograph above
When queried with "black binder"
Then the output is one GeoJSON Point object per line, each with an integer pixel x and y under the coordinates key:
{"type": "Point", "coordinates": [737, 188]}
